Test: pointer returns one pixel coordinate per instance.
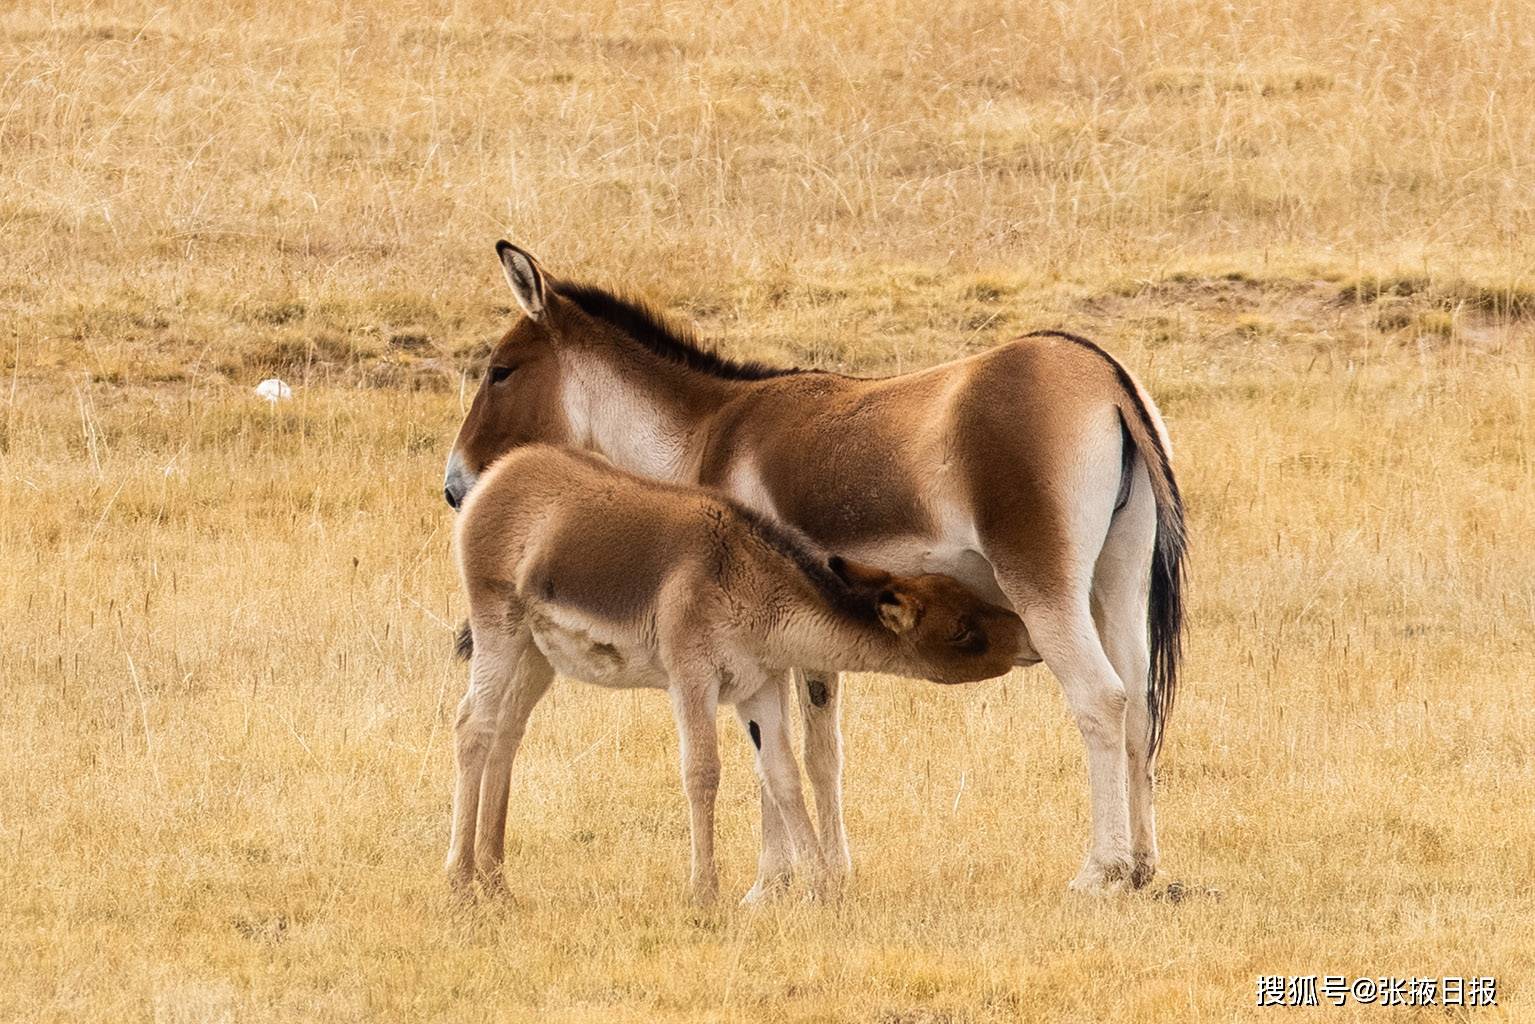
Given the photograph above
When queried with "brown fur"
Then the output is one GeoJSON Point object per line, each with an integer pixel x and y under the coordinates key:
{"type": "Point", "coordinates": [1007, 470]}
{"type": "Point", "coordinates": [572, 564]}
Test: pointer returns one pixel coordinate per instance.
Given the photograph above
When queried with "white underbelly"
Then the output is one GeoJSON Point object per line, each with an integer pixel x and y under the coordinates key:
{"type": "Point", "coordinates": [598, 656]}
{"type": "Point", "coordinates": [911, 556]}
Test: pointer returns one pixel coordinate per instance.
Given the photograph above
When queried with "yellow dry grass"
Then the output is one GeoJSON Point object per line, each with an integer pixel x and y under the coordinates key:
{"type": "Point", "coordinates": [225, 695]}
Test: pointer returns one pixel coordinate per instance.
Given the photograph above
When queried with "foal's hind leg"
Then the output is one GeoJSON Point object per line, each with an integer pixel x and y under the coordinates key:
{"type": "Point", "coordinates": [502, 679]}
{"type": "Point", "coordinates": [695, 696]}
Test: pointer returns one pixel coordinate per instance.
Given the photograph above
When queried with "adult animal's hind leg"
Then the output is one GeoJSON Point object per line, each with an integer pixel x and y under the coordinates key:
{"type": "Point", "coordinates": [1044, 546]}
{"type": "Point", "coordinates": [775, 868]}
{"type": "Point", "coordinates": [1068, 641]}
{"type": "Point", "coordinates": [820, 695]}
{"type": "Point", "coordinates": [1121, 593]}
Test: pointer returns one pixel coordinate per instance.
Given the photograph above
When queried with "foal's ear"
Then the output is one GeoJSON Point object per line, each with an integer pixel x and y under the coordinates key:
{"type": "Point", "coordinates": [525, 277]}
{"type": "Point", "coordinates": [856, 573]}
{"type": "Point", "coordinates": [899, 611]}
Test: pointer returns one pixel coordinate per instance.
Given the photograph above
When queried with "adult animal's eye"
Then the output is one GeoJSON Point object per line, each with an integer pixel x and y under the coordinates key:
{"type": "Point", "coordinates": [500, 373]}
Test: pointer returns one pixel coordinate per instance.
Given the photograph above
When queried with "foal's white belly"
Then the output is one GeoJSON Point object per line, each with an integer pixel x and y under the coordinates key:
{"type": "Point", "coordinates": [592, 654]}
{"type": "Point", "coordinates": [606, 655]}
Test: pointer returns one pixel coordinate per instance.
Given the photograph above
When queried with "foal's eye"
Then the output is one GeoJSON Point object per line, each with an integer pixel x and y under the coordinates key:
{"type": "Point", "coordinates": [964, 636]}
{"type": "Point", "coordinates": [499, 373]}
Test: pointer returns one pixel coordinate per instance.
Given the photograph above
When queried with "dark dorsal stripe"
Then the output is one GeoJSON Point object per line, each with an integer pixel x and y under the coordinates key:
{"type": "Point", "coordinates": [649, 328]}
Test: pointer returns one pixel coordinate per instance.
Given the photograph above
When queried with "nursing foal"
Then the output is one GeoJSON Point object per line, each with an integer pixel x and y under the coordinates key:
{"type": "Point", "coordinates": [574, 566]}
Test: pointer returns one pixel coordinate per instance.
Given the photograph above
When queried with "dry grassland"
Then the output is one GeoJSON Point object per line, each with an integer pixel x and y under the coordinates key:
{"type": "Point", "coordinates": [225, 691]}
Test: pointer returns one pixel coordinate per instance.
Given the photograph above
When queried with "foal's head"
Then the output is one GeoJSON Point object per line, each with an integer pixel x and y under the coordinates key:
{"type": "Point", "coordinates": [937, 625]}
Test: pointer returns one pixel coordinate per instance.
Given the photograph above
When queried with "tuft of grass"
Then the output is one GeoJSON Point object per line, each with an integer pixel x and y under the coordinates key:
{"type": "Point", "coordinates": [1278, 80]}
{"type": "Point", "coordinates": [1255, 325]}
{"type": "Point", "coordinates": [297, 349]}
{"type": "Point", "coordinates": [1372, 287]}
{"type": "Point", "coordinates": [1437, 322]}
{"type": "Point", "coordinates": [1394, 313]}
{"type": "Point", "coordinates": [1494, 296]}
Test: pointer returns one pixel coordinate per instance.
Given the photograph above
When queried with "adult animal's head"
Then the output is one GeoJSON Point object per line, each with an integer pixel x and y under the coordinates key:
{"type": "Point", "coordinates": [518, 401]}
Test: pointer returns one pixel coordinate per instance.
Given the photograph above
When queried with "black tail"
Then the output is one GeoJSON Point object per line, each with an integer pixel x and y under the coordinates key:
{"type": "Point", "coordinates": [1164, 613]}
{"type": "Point", "coordinates": [1164, 618]}
{"type": "Point", "coordinates": [463, 642]}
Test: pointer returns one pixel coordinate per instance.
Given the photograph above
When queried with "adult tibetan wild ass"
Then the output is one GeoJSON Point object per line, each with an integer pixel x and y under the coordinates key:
{"type": "Point", "coordinates": [573, 565]}
{"type": "Point", "coordinates": [1038, 473]}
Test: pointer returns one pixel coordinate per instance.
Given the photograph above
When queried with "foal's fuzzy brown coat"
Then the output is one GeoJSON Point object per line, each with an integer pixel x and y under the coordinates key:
{"type": "Point", "coordinates": [573, 565]}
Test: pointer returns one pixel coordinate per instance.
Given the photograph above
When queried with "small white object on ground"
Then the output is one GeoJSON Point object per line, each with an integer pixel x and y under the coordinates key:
{"type": "Point", "coordinates": [274, 390]}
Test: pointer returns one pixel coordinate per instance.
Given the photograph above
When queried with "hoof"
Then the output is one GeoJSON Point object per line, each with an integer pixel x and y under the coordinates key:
{"type": "Point", "coordinates": [460, 874]}
{"type": "Point", "coordinates": [1103, 876]}
{"type": "Point", "coordinates": [767, 889]}
{"type": "Point", "coordinates": [1143, 872]}
{"type": "Point", "coordinates": [839, 862]}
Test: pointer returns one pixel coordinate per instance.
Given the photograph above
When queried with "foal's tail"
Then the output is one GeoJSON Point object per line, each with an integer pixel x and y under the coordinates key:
{"type": "Point", "coordinates": [1164, 617]}
{"type": "Point", "coordinates": [463, 642]}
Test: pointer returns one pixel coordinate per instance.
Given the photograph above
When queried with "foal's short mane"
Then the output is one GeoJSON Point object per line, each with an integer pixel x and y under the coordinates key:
{"type": "Point", "coordinates": [812, 562]}
{"type": "Point", "coordinates": [651, 329]}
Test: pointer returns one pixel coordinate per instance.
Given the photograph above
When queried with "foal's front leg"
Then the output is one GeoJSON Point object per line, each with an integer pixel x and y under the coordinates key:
{"type": "Point", "coordinates": [530, 681]}
{"type": "Point", "coordinates": [765, 717]}
{"type": "Point", "coordinates": [694, 700]}
{"type": "Point", "coordinates": [507, 676]}
{"type": "Point", "coordinates": [821, 701]}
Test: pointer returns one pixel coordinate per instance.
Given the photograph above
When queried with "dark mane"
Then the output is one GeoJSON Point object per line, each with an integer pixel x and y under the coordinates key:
{"type": "Point", "coordinates": [810, 559]}
{"type": "Point", "coordinates": [652, 330]}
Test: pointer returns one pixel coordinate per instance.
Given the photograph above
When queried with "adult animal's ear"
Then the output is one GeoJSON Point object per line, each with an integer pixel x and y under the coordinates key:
{"type": "Point", "coordinates": [899, 611]}
{"type": "Point", "coordinates": [525, 277]}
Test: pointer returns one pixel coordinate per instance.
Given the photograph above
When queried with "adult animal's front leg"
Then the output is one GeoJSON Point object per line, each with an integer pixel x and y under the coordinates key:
{"type": "Point", "coordinates": [775, 869]}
